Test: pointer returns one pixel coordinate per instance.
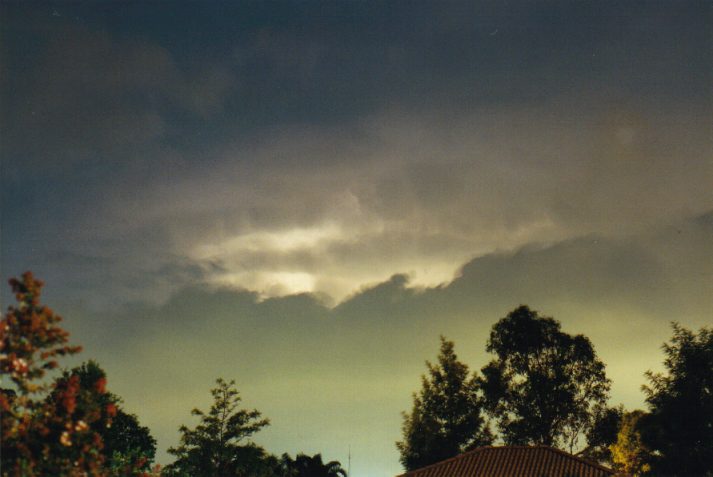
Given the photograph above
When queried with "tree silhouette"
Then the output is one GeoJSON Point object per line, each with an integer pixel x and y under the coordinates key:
{"type": "Point", "coordinates": [215, 447]}
{"type": "Point", "coordinates": [544, 386]}
{"type": "Point", "coordinates": [310, 466]}
{"type": "Point", "coordinates": [679, 428]}
{"type": "Point", "coordinates": [603, 434]}
{"type": "Point", "coordinates": [445, 419]}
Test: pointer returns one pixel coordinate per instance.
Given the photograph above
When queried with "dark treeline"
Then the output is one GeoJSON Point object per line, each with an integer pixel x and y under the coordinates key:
{"type": "Point", "coordinates": [546, 387]}
{"type": "Point", "coordinates": [541, 387]}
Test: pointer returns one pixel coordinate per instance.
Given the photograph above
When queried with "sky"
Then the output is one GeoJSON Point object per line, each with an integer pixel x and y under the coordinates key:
{"type": "Point", "coordinates": [302, 196]}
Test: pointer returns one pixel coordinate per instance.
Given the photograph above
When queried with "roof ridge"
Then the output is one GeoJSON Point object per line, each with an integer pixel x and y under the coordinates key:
{"type": "Point", "coordinates": [505, 447]}
{"type": "Point", "coordinates": [581, 459]}
{"type": "Point", "coordinates": [440, 462]}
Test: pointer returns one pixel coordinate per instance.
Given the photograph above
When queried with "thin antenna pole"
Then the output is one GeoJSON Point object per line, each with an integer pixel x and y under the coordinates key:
{"type": "Point", "coordinates": [349, 462]}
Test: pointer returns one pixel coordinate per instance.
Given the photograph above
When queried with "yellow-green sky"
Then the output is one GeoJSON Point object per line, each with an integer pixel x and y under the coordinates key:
{"type": "Point", "coordinates": [303, 196]}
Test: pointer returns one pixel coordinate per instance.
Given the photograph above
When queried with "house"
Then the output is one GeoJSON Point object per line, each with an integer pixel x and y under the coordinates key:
{"type": "Point", "coordinates": [513, 461]}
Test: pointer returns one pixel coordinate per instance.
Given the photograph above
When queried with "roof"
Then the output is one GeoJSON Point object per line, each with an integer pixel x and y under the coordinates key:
{"type": "Point", "coordinates": [513, 461]}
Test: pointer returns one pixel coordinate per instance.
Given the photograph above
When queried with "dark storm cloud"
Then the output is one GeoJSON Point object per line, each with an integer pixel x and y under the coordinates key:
{"type": "Point", "coordinates": [88, 97]}
{"type": "Point", "coordinates": [90, 80]}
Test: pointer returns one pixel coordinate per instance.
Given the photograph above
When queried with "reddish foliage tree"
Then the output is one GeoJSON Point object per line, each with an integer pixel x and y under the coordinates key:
{"type": "Point", "coordinates": [47, 425]}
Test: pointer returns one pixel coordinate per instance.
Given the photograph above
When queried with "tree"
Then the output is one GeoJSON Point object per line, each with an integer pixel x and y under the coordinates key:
{"type": "Point", "coordinates": [253, 461]}
{"type": "Point", "coordinates": [629, 455]}
{"type": "Point", "coordinates": [306, 466]}
{"type": "Point", "coordinates": [603, 434]}
{"type": "Point", "coordinates": [215, 447]}
{"type": "Point", "coordinates": [128, 447]}
{"type": "Point", "coordinates": [544, 386]}
{"type": "Point", "coordinates": [47, 426]}
{"type": "Point", "coordinates": [679, 429]}
{"type": "Point", "coordinates": [445, 419]}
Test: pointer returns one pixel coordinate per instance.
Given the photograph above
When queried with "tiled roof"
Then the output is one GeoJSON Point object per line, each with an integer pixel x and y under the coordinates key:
{"type": "Point", "coordinates": [513, 461]}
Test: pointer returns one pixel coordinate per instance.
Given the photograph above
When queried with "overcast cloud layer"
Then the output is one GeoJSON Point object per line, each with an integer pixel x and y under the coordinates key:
{"type": "Point", "coordinates": [355, 179]}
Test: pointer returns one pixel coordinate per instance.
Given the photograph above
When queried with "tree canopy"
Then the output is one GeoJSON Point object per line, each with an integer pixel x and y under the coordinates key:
{"type": "Point", "coordinates": [629, 454]}
{"type": "Point", "coordinates": [445, 419]}
{"type": "Point", "coordinates": [128, 447]}
{"type": "Point", "coordinates": [216, 447]}
{"type": "Point", "coordinates": [304, 465]}
{"type": "Point", "coordinates": [679, 427]}
{"type": "Point", "coordinates": [603, 434]}
{"type": "Point", "coordinates": [544, 386]}
{"type": "Point", "coordinates": [48, 426]}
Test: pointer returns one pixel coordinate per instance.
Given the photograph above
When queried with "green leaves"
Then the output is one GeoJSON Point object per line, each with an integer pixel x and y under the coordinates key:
{"type": "Point", "coordinates": [445, 419]}
{"type": "Point", "coordinates": [545, 386]}
{"type": "Point", "coordinates": [215, 447]}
